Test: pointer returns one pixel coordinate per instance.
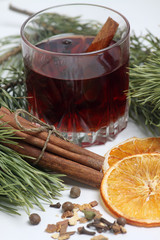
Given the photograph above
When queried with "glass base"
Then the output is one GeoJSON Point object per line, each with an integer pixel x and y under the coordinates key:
{"type": "Point", "coordinates": [101, 136]}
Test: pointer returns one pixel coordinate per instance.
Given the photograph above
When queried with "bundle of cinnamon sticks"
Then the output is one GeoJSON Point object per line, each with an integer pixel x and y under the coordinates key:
{"type": "Point", "coordinates": [59, 156]}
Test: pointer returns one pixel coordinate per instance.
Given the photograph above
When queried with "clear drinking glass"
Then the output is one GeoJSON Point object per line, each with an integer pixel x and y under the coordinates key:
{"type": "Point", "coordinates": [83, 94]}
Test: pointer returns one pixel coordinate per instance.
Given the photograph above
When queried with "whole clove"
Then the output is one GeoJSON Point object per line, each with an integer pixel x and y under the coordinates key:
{"type": "Point", "coordinates": [105, 221]}
{"type": "Point", "coordinates": [56, 205]}
{"type": "Point", "coordinates": [116, 228]}
{"type": "Point", "coordinates": [82, 230]}
{"type": "Point", "coordinates": [98, 225]}
{"type": "Point", "coordinates": [103, 225]}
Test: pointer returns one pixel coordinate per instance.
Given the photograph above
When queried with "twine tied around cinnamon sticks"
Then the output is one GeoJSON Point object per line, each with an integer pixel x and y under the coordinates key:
{"type": "Point", "coordinates": [60, 156]}
{"type": "Point", "coordinates": [42, 127]}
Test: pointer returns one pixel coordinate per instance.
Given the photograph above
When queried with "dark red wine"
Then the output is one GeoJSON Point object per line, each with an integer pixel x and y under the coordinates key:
{"type": "Point", "coordinates": [89, 97]}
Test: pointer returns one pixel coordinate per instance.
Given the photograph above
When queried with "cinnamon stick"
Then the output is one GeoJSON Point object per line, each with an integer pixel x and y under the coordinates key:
{"type": "Point", "coordinates": [75, 164]}
{"type": "Point", "coordinates": [58, 164]}
{"type": "Point", "coordinates": [105, 36]}
{"type": "Point", "coordinates": [9, 117]}
{"type": "Point", "coordinates": [37, 142]}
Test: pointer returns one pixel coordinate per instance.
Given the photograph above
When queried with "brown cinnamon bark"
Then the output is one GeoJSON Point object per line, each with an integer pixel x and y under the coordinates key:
{"type": "Point", "coordinates": [58, 164]}
{"type": "Point", "coordinates": [9, 117]}
{"type": "Point", "coordinates": [37, 142]}
{"type": "Point", "coordinates": [75, 165]}
{"type": "Point", "coordinates": [105, 36]}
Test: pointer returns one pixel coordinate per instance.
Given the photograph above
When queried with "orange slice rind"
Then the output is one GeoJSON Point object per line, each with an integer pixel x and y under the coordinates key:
{"type": "Point", "coordinates": [131, 147]}
{"type": "Point", "coordinates": [130, 188]}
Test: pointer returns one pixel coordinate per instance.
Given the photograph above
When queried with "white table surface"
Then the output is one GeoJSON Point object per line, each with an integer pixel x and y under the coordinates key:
{"type": "Point", "coordinates": [142, 15]}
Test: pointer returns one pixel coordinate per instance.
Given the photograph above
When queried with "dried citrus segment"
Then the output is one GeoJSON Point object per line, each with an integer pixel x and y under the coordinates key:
{"type": "Point", "coordinates": [131, 189]}
{"type": "Point", "coordinates": [130, 147]}
{"type": "Point", "coordinates": [147, 145]}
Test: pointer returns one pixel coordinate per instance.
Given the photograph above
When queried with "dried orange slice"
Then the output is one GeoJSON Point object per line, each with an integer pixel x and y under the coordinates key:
{"type": "Point", "coordinates": [131, 189]}
{"type": "Point", "coordinates": [131, 147]}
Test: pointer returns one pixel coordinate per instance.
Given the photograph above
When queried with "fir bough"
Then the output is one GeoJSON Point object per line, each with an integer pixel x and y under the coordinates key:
{"type": "Point", "coordinates": [145, 80]}
{"type": "Point", "coordinates": [21, 184]}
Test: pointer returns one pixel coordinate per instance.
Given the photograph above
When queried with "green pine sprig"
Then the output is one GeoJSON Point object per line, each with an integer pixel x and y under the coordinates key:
{"type": "Point", "coordinates": [145, 81]}
{"type": "Point", "coordinates": [22, 185]}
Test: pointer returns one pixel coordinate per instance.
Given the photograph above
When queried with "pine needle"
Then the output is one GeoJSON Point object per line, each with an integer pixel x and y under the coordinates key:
{"type": "Point", "coordinates": [20, 183]}
{"type": "Point", "coordinates": [145, 81]}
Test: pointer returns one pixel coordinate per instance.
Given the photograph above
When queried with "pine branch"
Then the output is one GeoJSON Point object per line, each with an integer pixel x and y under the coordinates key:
{"type": "Point", "coordinates": [20, 183]}
{"type": "Point", "coordinates": [145, 81]}
{"type": "Point", "coordinates": [9, 54]}
{"type": "Point", "coordinates": [18, 10]}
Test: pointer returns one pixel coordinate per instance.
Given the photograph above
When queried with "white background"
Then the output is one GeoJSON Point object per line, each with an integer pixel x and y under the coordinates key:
{"type": "Point", "coordinates": [142, 15]}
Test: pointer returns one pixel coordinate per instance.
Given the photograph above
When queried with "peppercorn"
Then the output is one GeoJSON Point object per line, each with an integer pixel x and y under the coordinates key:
{"type": "Point", "coordinates": [75, 192]}
{"type": "Point", "coordinates": [67, 206]}
{"type": "Point", "coordinates": [34, 219]}
{"type": "Point", "coordinates": [121, 221]}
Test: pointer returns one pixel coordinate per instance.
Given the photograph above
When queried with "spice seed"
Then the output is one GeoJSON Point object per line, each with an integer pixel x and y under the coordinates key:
{"type": "Point", "coordinates": [34, 219]}
{"type": "Point", "coordinates": [67, 206]}
{"type": "Point", "coordinates": [121, 221]}
{"type": "Point", "coordinates": [75, 192]}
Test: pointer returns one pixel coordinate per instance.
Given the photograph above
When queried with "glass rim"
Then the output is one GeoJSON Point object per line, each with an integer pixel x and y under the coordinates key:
{"type": "Point", "coordinates": [119, 42]}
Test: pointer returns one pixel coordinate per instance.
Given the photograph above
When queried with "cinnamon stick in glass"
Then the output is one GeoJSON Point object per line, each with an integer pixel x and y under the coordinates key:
{"type": "Point", "coordinates": [105, 36]}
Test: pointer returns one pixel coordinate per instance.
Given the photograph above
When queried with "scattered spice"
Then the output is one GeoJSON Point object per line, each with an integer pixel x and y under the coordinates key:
{"type": "Point", "coordinates": [98, 225]}
{"type": "Point", "coordinates": [66, 235]}
{"type": "Point", "coordinates": [103, 225]}
{"type": "Point", "coordinates": [75, 192]}
{"type": "Point", "coordinates": [51, 228]}
{"type": "Point", "coordinates": [123, 230]}
{"type": "Point", "coordinates": [96, 222]}
{"type": "Point", "coordinates": [103, 220]}
{"type": "Point", "coordinates": [62, 227]}
{"type": "Point", "coordinates": [82, 230]}
{"type": "Point", "coordinates": [84, 206]}
{"type": "Point", "coordinates": [34, 219]}
{"type": "Point", "coordinates": [55, 235]}
{"type": "Point", "coordinates": [73, 220]}
{"type": "Point", "coordinates": [93, 203]}
{"type": "Point", "coordinates": [56, 205]}
{"type": "Point", "coordinates": [67, 214]}
{"type": "Point", "coordinates": [116, 228]}
{"type": "Point", "coordinates": [96, 212]}
{"type": "Point", "coordinates": [121, 221]}
{"type": "Point", "coordinates": [83, 220]}
{"type": "Point", "coordinates": [99, 237]}
{"type": "Point", "coordinates": [89, 215]}
{"type": "Point", "coordinates": [67, 206]}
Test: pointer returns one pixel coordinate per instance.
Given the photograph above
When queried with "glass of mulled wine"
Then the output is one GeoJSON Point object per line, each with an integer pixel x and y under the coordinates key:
{"type": "Point", "coordinates": [83, 94]}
